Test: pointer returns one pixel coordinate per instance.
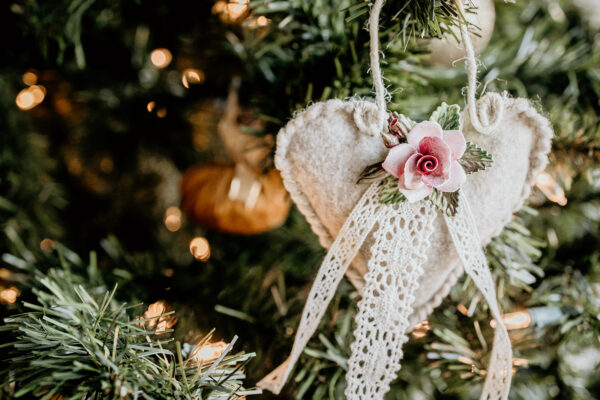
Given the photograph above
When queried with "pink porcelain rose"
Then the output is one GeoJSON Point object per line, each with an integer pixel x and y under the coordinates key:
{"type": "Point", "coordinates": [429, 160]}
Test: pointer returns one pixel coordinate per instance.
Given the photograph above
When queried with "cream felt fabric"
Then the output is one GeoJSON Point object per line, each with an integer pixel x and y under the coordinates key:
{"type": "Point", "coordinates": [323, 150]}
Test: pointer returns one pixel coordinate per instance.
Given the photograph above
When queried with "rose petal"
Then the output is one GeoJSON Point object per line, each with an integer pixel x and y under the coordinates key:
{"type": "Point", "coordinates": [457, 178]}
{"type": "Point", "coordinates": [396, 158]}
{"type": "Point", "coordinates": [412, 177]}
{"type": "Point", "coordinates": [439, 149]}
{"type": "Point", "coordinates": [414, 195]}
{"type": "Point", "coordinates": [422, 130]}
{"type": "Point", "coordinates": [427, 164]}
{"type": "Point", "coordinates": [432, 180]}
{"type": "Point", "coordinates": [456, 142]}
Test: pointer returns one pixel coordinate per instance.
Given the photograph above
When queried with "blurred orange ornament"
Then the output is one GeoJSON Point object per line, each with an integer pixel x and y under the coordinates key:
{"type": "Point", "coordinates": [233, 199]}
{"type": "Point", "coordinates": [238, 198]}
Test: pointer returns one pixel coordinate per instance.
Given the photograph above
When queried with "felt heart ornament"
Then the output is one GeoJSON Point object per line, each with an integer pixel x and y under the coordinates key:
{"type": "Point", "coordinates": [404, 259]}
{"type": "Point", "coordinates": [323, 150]}
{"type": "Point", "coordinates": [404, 245]}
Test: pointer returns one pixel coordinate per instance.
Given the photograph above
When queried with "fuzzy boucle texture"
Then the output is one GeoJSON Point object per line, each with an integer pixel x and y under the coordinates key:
{"type": "Point", "coordinates": [321, 153]}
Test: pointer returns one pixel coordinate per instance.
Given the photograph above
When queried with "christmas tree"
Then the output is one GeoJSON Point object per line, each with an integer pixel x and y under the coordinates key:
{"type": "Point", "coordinates": [150, 250]}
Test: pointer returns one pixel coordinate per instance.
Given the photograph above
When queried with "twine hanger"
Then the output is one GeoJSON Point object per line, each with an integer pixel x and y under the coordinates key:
{"type": "Point", "coordinates": [485, 114]}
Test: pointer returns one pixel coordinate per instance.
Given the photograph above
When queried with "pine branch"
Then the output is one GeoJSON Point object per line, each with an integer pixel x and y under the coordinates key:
{"type": "Point", "coordinates": [78, 341]}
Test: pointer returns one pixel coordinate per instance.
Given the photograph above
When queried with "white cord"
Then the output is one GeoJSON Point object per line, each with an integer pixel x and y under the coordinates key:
{"type": "Point", "coordinates": [485, 115]}
{"type": "Point", "coordinates": [491, 105]}
{"type": "Point", "coordinates": [380, 91]}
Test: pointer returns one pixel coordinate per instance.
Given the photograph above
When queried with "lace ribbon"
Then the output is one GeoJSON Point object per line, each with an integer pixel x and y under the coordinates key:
{"type": "Point", "coordinates": [382, 322]}
{"type": "Point", "coordinates": [402, 237]}
{"type": "Point", "coordinates": [468, 245]}
{"type": "Point", "coordinates": [361, 220]}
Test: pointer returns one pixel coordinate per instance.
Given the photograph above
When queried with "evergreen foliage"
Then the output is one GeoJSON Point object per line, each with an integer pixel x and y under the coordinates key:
{"type": "Point", "coordinates": [55, 182]}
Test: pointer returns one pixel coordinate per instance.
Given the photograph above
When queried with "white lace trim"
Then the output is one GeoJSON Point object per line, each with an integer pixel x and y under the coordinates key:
{"type": "Point", "coordinates": [402, 237]}
{"type": "Point", "coordinates": [468, 245]}
{"type": "Point", "coordinates": [382, 322]}
{"type": "Point", "coordinates": [341, 253]}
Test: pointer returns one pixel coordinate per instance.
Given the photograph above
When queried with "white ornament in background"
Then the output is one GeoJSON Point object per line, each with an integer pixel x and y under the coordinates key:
{"type": "Point", "coordinates": [590, 12]}
{"type": "Point", "coordinates": [445, 51]}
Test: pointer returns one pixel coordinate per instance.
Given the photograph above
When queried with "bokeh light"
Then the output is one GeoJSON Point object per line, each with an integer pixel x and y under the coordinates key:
{"type": "Point", "coordinates": [107, 164]}
{"type": "Point", "coordinates": [259, 22]}
{"type": "Point", "coordinates": [160, 58]}
{"type": "Point", "coordinates": [420, 330]}
{"type": "Point", "coordinates": [192, 76]}
{"type": "Point", "coordinates": [9, 295]}
{"type": "Point", "coordinates": [515, 320]}
{"type": "Point", "coordinates": [25, 100]}
{"type": "Point", "coordinates": [173, 219]}
{"type": "Point", "coordinates": [200, 249]}
{"type": "Point", "coordinates": [551, 188]}
{"type": "Point", "coordinates": [208, 351]}
{"type": "Point", "coordinates": [47, 245]}
{"type": "Point", "coordinates": [161, 112]}
{"type": "Point", "coordinates": [158, 321]}
{"type": "Point", "coordinates": [30, 97]}
{"type": "Point", "coordinates": [232, 10]}
{"type": "Point", "coordinates": [30, 78]}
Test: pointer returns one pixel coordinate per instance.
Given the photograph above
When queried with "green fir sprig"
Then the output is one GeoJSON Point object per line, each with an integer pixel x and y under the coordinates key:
{"type": "Point", "coordinates": [77, 341]}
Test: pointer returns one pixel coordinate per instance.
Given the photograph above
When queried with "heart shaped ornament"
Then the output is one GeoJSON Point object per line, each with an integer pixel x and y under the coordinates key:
{"type": "Point", "coordinates": [324, 149]}
{"type": "Point", "coordinates": [405, 239]}
{"type": "Point", "coordinates": [402, 258]}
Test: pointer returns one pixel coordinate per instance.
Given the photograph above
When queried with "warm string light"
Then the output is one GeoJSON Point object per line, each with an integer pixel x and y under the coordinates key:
{"type": "Point", "coordinates": [30, 97]}
{"type": "Point", "coordinates": [259, 22]}
{"type": "Point", "coordinates": [30, 78]}
{"type": "Point", "coordinates": [74, 164]}
{"type": "Point", "coordinates": [208, 352]}
{"type": "Point", "coordinates": [462, 309]}
{"type": "Point", "coordinates": [106, 164]}
{"type": "Point", "coordinates": [47, 245]}
{"type": "Point", "coordinates": [9, 295]}
{"type": "Point", "coordinates": [160, 58]}
{"type": "Point", "coordinates": [173, 219]}
{"type": "Point", "coordinates": [551, 188]}
{"type": "Point", "coordinates": [200, 249]}
{"type": "Point", "coordinates": [231, 11]}
{"type": "Point", "coordinates": [192, 76]}
{"type": "Point", "coordinates": [161, 112]}
{"type": "Point", "coordinates": [520, 362]}
{"type": "Point", "coordinates": [421, 329]}
{"type": "Point", "coordinates": [159, 323]}
{"type": "Point", "coordinates": [515, 320]}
